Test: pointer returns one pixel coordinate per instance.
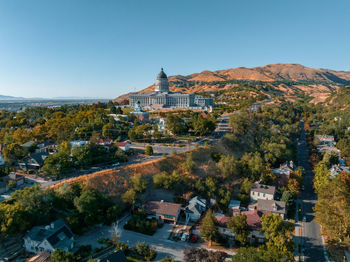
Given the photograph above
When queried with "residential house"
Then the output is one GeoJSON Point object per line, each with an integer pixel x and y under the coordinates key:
{"type": "Point", "coordinates": [125, 146]}
{"type": "Point", "coordinates": [326, 140]}
{"type": "Point", "coordinates": [120, 117]}
{"type": "Point", "coordinates": [78, 143]}
{"type": "Point", "coordinates": [43, 256]}
{"type": "Point", "coordinates": [28, 144]}
{"type": "Point", "coordinates": [337, 169]}
{"type": "Point", "coordinates": [107, 143]}
{"type": "Point", "coordinates": [272, 207]}
{"type": "Point", "coordinates": [162, 124]}
{"type": "Point", "coordinates": [222, 226]}
{"type": "Point", "coordinates": [33, 161]}
{"type": "Point", "coordinates": [48, 238]}
{"type": "Point", "coordinates": [327, 149]}
{"type": "Point", "coordinates": [283, 173]}
{"type": "Point", "coordinates": [19, 179]}
{"type": "Point", "coordinates": [235, 207]}
{"type": "Point", "coordinates": [164, 211]}
{"type": "Point", "coordinates": [47, 146]}
{"type": "Point", "coordinates": [195, 208]}
{"type": "Point", "coordinates": [261, 191]}
{"type": "Point", "coordinates": [118, 256]}
{"type": "Point", "coordinates": [254, 225]}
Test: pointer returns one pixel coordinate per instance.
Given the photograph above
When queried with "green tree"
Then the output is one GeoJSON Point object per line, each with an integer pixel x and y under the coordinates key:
{"type": "Point", "coordinates": [238, 225]}
{"type": "Point", "coordinates": [176, 124]}
{"type": "Point", "coordinates": [139, 183]}
{"type": "Point", "coordinates": [228, 166]}
{"type": "Point", "coordinates": [203, 126]}
{"type": "Point", "coordinates": [279, 236]}
{"type": "Point", "coordinates": [188, 165]}
{"type": "Point", "coordinates": [61, 256]}
{"type": "Point", "coordinates": [145, 251]}
{"type": "Point", "coordinates": [12, 184]}
{"type": "Point", "coordinates": [129, 197]}
{"type": "Point", "coordinates": [209, 229]}
{"type": "Point", "coordinates": [149, 150]}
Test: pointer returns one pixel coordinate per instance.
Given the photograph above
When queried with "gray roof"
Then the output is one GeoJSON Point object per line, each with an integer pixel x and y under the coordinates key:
{"type": "Point", "coordinates": [161, 74]}
{"type": "Point", "coordinates": [193, 208]}
{"type": "Point", "coordinates": [199, 199]}
{"type": "Point", "coordinates": [272, 206]}
{"type": "Point", "coordinates": [39, 157]}
{"type": "Point", "coordinates": [234, 203]}
{"type": "Point", "coordinates": [28, 144]}
{"type": "Point", "coordinates": [261, 188]}
{"type": "Point", "coordinates": [58, 234]}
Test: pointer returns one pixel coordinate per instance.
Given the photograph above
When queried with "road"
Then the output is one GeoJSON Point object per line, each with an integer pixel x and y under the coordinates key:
{"type": "Point", "coordinates": [313, 246]}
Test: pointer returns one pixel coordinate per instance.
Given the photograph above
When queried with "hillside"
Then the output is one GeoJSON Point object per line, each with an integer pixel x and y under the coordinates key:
{"type": "Point", "coordinates": [288, 79]}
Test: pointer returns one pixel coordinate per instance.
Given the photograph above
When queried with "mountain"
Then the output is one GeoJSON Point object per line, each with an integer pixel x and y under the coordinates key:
{"type": "Point", "coordinates": [287, 79]}
{"type": "Point", "coordinates": [2, 97]}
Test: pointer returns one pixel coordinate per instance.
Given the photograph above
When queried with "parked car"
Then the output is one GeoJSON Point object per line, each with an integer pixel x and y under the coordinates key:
{"type": "Point", "coordinates": [184, 237]}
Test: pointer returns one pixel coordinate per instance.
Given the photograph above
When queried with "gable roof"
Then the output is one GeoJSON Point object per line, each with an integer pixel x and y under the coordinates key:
{"type": "Point", "coordinates": [164, 208]}
{"type": "Point", "coordinates": [253, 219]}
{"type": "Point", "coordinates": [58, 234]}
{"type": "Point", "coordinates": [193, 208]}
{"type": "Point", "coordinates": [261, 188]}
{"type": "Point", "coordinates": [199, 200]}
{"type": "Point", "coordinates": [272, 206]}
{"type": "Point", "coordinates": [234, 204]}
{"type": "Point", "coordinates": [39, 157]}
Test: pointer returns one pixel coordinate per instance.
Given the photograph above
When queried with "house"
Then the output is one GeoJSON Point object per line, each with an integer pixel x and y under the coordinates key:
{"type": "Point", "coordinates": [254, 225]}
{"type": "Point", "coordinates": [46, 146]}
{"type": "Point", "coordinates": [139, 113]}
{"type": "Point", "coordinates": [125, 146]}
{"type": "Point", "coordinates": [261, 191]}
{"type": "Point", "coordinates": [163, 211]}
{"type": "Point", "coordinates": [283, 173]}
{"type": "Point", "coordinates": [118, 256]}
{"type": "Point", "coordinates": [222, 226]}
{"type": "Point", "coordinates": [107, 143]}
{"type": "Point", "coordinates": [272, 207]}
{"type": "Point", "coordinates": [337, 169]}
{"type": "Point", "coordinates": [33, 161]}
{"type": "Point", "coordinates": [19, 179]}
{"type": "Point", "coordinates": [119, 117]}
{"type": "Point", "coordinates": [326, 140]}
{"type": "Point", "coordinates": [235, 207]}
{"type": "Point", "coordinates": [28, 144]}
{"type": "Point", "coordinates": [3, 187]}
{"type": "Point", "coordinates": [195, 208]}
{"type": "Point", "coordinates": [48, 238]}
{"type": "Point", "coordinates": [78, 143]}
{"type": "Point", "coordinates": [327, 149]}
{"type": "Point", "coordinates": [43, 256]}
{"type": "Point", "coordinates": [162, 124]}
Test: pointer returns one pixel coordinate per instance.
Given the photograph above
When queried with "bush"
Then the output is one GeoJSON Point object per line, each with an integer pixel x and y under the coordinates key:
{"type": "Point", "coordinates": [139, 223]}
{"type": "Point", "coordinates": [145, 251]}
{"type": "Point", "coordinates": [149, 150]}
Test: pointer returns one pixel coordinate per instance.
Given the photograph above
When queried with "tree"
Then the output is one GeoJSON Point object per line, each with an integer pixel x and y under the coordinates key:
{"type": "Point", "coordinates": [129, 197]}
{"type": "Point", "coordinates": [212, 185]}
{"type": "Point", "coordinates": [279, 236]}
{"type": "Point", "coordinates": [249, 254]}
{"type": "Point", "coordinates": [82, 155]}
{"type": "Point", "coordinates": [61, 256]}
{"type": "Point", "coordinates": [12, 184]}
{"type": "Point", "coordinates": [167, 259]}
{"type": "Point", "coordinates": [228, 166]}
{"type": "Point", "coordinates": [240, 123]}
{"type": "Point", "coordinates": [209, 230]}
{"type": "Point", "coordinates": [200, 254]}
{"type": "Point", "coordinates": [149, 150]}
{"type": "Point", "coordinates": [238, 225]}
{"type": "Point", "coordinates": [139, 183]}
{"type": "Point", "coordinates": [145, 251]}
{"type": "Point", "coordinates": [176, 124]}
{"type": "Point", "coordinates": [188, 165]}
{"type": "Point", "coordinates": [203, 126]}
{"type": "Point", "coordinates": [12, 153]}
{"type": "Point", "coordinates": [288, 198]}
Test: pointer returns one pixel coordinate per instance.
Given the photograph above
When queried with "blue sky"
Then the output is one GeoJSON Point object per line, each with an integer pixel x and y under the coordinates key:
{"type": "Point", "coordinates": [104, 48]}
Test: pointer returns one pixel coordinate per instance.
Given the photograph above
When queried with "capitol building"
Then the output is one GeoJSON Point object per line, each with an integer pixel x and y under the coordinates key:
{"type": "Point", "coordinates": [163, 98]}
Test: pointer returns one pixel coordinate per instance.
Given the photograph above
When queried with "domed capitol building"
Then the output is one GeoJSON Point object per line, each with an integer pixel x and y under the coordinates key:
{"type": "Point", "coordinates": [163, 98]}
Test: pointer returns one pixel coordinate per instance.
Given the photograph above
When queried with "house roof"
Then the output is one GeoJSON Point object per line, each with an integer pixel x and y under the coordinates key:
{"type": "Point", "coordinates": [234, 204]}
{"type": "Point", "coordinates": [193, 208]}
{"type": "Point", "coordinates": [272, 206]}
{"type": "Point", "coordinates": [222, 219]}
{"type": "Point", "coordinates": [164, 208]}
{"type": "Point", "coordinates": [198, 199]}
{"type": "Point", "coordinates": [121, 143]}
{"type": "Point", "coordinates": [115, 257]}
{"type": "Point", "coordinates": [39, 157]}
{"type": "Point", "coordinates": [253, 219]}
{"type": "Point", "coordinates": [261, 188]}
{"type": "Point", "coordinates": [58, 234]}
{"type": "Point", "coordinates": [28, 144]}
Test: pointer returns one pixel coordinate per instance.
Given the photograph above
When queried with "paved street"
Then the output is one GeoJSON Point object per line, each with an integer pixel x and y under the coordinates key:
{"type": "Point", "coordinates": [310, 229]}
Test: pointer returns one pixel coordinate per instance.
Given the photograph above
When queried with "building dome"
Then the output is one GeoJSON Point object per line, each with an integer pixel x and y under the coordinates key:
{"type": "Point", "coordinates": [161, 74]}
{"type": "Point", "coordinates": [162, 84]}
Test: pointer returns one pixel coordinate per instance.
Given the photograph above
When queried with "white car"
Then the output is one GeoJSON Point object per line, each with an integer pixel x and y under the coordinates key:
{"type": "Point", "coordinates": [184, 237]}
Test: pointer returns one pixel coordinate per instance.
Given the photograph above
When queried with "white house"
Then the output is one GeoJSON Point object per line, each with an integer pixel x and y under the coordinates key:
{"type": "Point", "coordinates": [125, 146]}
{"type": "Point", "coordinates": [48, 238]}
{"type": "Point", "coordinates": [260, 191]}
{"type": "Point", "coordinates": [195, 208]}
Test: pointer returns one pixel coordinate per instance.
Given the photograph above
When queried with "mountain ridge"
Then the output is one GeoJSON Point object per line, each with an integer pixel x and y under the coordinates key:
{"type": "Point", "coordinates": [322, 81]}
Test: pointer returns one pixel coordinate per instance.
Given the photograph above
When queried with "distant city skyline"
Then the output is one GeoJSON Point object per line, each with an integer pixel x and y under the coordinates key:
{"type": "Point", "coordinates": [88, 48]}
